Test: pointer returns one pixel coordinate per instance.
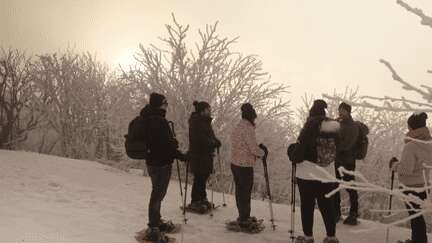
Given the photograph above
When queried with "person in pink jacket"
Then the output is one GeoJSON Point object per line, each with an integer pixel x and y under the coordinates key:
{"type": "Point", "coordinates": [244, 153]}
{"type": "Point", "coordinates": [413, 168]}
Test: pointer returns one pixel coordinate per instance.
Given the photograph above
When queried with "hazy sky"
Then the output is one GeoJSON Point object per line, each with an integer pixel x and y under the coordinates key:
{"type": "Point", "coordinates": [313, 45]}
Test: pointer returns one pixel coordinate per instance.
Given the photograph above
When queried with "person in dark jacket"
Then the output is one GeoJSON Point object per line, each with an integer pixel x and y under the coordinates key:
{"type": "Point", "coordinates": [308, 169]}
{"type": "Point", "coordinates": [162, 150]}
{"type": "Point", "coordinates": [345, 157]}
{"type": "Point", "coordinates": [202, 145]}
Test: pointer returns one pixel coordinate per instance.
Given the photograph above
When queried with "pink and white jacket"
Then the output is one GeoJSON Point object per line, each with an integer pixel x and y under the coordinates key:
{"type": "Point", "coordinates": [244, 147]}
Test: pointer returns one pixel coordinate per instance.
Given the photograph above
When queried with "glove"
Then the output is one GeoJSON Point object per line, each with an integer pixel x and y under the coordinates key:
{"type": "Point", "coordinates": [393, 161]}
{"type": "Point", "coordinates": [263, 147]}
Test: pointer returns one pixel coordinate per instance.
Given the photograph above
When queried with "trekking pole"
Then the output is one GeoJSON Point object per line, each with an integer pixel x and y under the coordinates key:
{"type": "Point", "coordinates": [185, 194]}
{"type": "Point", "coordinates": [177, 162]}
{"type": "Point", "coordinates": [221, 172]}
{"type": "Point", "coordinates": [264, 159]}
{"type": "Point", "coordinates": [293, 192]}
{"type": "Point", "coordinates": [390, 204]}
{"type": "Point", "coordinates": [211, 197]}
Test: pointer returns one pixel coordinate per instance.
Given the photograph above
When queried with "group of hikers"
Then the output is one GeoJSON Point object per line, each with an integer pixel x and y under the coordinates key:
{"type": "Point", "coordinates": [324, 144]}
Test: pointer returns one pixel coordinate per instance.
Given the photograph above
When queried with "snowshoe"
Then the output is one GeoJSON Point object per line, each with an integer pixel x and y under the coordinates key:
{"type": "Point", "coordinates": [303, 239]}
{"type": "Point", "coordinates": [351, 220]}
{"type": "Point", "coordinates": [153, 235]}
{"type": "Point", "coordinates": [199, 207]}
{"type": "Point", "coordinates": [168, 227]}
{"type": "Point", "coordinates": [245, 227]}
{"type": "Point", "coordinates": [331, 240]}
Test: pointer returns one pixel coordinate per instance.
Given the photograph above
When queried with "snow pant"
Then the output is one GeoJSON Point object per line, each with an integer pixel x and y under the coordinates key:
{"type": "Point", "coordinates": [243, 180]}
{"type": "Point", "coordinates": [199, 187]}
{"type": "Point", "coordinates": [160, 177]}
{"type": "Point", "coordinates": [353, 195]}
{"type": "Point", "coordinates": [418, 224]}
{"type": "Point", "coordinates": [311, 191]}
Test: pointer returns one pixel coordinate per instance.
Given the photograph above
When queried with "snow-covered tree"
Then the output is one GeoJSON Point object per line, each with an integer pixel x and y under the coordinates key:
{"type": "Point", "coordinates": [18, 115]}
{"type": "Point", "coordinates": [72, 91]}
{"type": "Point", "coordinates": [210, 71]}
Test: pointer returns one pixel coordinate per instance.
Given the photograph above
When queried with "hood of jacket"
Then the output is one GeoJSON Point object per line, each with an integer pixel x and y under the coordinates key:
{"type": "Point", "coordinates": [420, 135]}
{"type": "Point", "coordinates": [196, 116]}
{"type": "Point", "coordinates": [149, 110]}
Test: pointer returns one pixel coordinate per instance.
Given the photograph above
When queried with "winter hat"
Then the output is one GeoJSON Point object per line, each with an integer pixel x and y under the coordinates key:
{"type": "Point", "coordinates": [318, 108]}
{"type": "Point", "coordinates": [345, 106]}
{"type": "Point", "coordinates": [248, 112]}
{"type": "Point", "coordinates": [200, 106]}
{"type": "Point", "coordinates": [417, 120]}
{"type": "Point", "coordinates": [157, 100]}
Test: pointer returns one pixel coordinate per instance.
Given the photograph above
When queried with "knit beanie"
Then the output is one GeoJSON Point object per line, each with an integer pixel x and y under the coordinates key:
{"type": "Point", "coordinates": [248, 112]}
{"type": "Point", "coordinates": [200, 105]}
{"type": "Point", "coordinates": [417, 120]}
{"type": "Point", "coordinates": [346, 107]}
{"type": "Point", "coordinates": [157, 100]}
{"type": "Point", "coordinates": [318, 108]}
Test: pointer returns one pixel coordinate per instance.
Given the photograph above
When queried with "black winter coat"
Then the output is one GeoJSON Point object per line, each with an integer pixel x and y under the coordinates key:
{"type": "Point", "coordinates": [346, 147]}
{"type": "Point", "coordinates": [163, 147]}
{"type": "Point", "coordinates": [202, 144]}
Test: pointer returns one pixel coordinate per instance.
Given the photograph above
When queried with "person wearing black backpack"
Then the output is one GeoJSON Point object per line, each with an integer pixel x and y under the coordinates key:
{"type": "Point", "coordinates": [161, 148]}
{"type": "Point", "coordinates": [315, 151]}
{"type": "Point", "coordinates": [346, 158]}
{"type": "Point", "coordinates": [202, 145]}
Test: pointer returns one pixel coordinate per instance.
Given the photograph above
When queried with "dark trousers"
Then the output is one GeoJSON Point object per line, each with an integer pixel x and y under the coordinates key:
{"type": "Point", "coordinates": [160, 177]}
{"type": "Point", "coordinates": [311, 191]}
{"type": "Point", "coordinates": [243, 180]}
{"type": "Point", "coordinates": [418, 224]}
{"type": "Point", "coordinates": [353, 195]}
{"type": "Point", "coordinates": [199, 187]}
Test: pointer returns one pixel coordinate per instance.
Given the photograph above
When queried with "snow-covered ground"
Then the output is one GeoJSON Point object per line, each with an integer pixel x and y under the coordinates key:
{"type": "Point", "coordinates": [48, 199]}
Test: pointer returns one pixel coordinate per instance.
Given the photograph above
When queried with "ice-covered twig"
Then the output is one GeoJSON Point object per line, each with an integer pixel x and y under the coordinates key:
{"type": "Point", "coordinates": [363, 184]}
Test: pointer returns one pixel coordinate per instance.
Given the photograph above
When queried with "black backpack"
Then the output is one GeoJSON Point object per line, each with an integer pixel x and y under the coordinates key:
{"type": "Point", "coordinates": [135, 141]}
{"type": "Point", "coordinates": [361, 147]}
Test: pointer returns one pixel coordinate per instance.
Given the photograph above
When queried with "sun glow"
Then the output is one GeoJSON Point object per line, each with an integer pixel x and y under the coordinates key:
{"type": "Point", "coordinates": [126, 58]}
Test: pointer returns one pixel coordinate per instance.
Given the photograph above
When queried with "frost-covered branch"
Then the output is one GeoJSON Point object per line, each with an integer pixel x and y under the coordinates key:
{"type": "Point", "coordinates": [363, 184]}
{"type": "Point", "coordinates": [425, 20]}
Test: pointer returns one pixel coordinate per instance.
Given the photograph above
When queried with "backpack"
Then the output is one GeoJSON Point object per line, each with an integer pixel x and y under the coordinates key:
{"type": "Point", "coordinates": [326, 151]}
{"type": "Point", "coordinates": [135, 141]}
{"type": "Point", "coordinates": [361, 146]}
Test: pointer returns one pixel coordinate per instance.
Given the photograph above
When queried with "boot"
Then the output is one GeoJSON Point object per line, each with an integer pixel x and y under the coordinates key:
{"type": "Point", "coordinates": [153, 234]}
{"type": "Point", "coordinates": [406, 241]}
{"type": "Point", "coordinates": [166, 226]}
{"type": "Point", "coordinates": [198, 207]}
{"type": "Point", "coordinates": [351, 220]}
{"type": "Point", "coordinates": [304, 239]}
{"type": "Point", "coordinates": [207, 204]}
{"type": "Point", "coordinates": [331, 240]}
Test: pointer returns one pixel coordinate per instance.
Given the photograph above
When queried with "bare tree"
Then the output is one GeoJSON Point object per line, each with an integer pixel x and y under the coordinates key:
{"type": "Point", "coordinates": [17, 114]}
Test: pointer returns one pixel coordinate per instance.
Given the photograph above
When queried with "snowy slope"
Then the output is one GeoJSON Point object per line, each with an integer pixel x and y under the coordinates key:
{"type": "Point", "coordinates": [48, 199]}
